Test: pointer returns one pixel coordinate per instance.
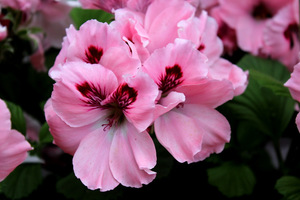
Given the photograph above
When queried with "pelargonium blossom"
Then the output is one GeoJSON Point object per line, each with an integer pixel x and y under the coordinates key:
{"type": "Point", "coordinates": [3, 32]}
{"type": "Point", "coordinates": [13, 147]}
{"type": "Point", "coordinates": [111, 5]}
{"type": "Point", "coordinates": [249, 18]}
{"type": "Point", "coordinates": [95, 43]}
{"type": "Point", "coordinates": [186, 123]}
{"type": "Point", "coordinates": [281, 35]}
{"type": "Point", "coordinates": [102, 120]}
{"type": "Point", "coordinates": [294, 87]}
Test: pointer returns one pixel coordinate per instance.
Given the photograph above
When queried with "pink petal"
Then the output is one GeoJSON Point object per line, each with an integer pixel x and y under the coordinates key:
{"type": "Point", "coordinates": [179, 134]}
{"type": "Point", "coordinates": [3, 32]}
{"type": "Point", "coordinates": [124, 65]}
{"type": "Point", "coordinates": [70, 104]}
{"type": "Point", "coordinates": [298, 122]}
{"type": "Point", "coordinates": [161, 23]}
{"type": "Point", "coordinates": [182, 53]}
{"type": "Point", "coordinates": [132, 156]}
{"type": "Point", "coordinates": [250, 34]}
{"type": "Point", "coordinates": [168, 103]}
{"type": "Point", "coordinates": [217, 131]}
{"type": "Point", "coordinates": [141, 112]}
{"type": "Point", "coordinates": [195, 133]}
{"type": "Point", "coordinates": [224, 70]}
{"type": "Point", "coordinates": [212, 93]}
{"type": "Point", "coordinates": [4, 118]}
{"type": "Point", "coordinates": [66, 137]}
{"type": "Point", "coordinates": [91, 161]}
{"type": "Point", "coordinates": [13, 151]}
{"type": "Point", "coordinates": [294, 83]}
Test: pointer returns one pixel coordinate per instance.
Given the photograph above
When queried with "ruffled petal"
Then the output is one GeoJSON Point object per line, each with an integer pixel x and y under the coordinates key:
{"type": "Point", "coordinates": [77, 97]}
{"type": "Point", "coordinates": [192, 132]}
{"type": "Point", "coordinates": [91, 161]}
{"type": "Point", "coordinates": [13, 151]}
{"type": "Point", "coordinates": [66, 137]}
{"type": "Point", "coordinates": [132, 156]}
{"type": "Point", "coordinates": [224, 70]}
{"type": "Point", "coordinates": [4, 118]}
{"type": "Point", "coordinates": [294, 83]}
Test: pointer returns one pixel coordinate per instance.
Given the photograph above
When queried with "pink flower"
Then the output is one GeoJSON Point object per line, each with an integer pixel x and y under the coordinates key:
{"type": "Point", "coordinates": [154, 29]}
{"type": "Point", "coordinates": [226, 33]}
{"type": "Point", "coordinates": [249, 18]}
{"type": "Point", "coordinates": [294, 86]}
{"type": "Point", "coordinates": [102, 119]}
{"type": "Point", "coordinates": [281, 35]}
{"type": "Point", "coordinates": [13, 148]}
{"type": "Point", "coordinates": [3, 32]}
{"type": "Point", "coordinates": [110, 5]}
{"type": "Point", "coordinates": [187, 124]}
{"type": "Point", "coordinates": [96, 43]}
{"type": "Point", "coordinates": [224, 70]}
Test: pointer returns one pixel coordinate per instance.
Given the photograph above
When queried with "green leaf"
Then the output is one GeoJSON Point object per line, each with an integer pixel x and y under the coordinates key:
{"type": "Point", "coordinates": [22, 181]}
{"type": "Point", "coordinates": [232, 179]}
{"type": "Point", "coordinates": [45, 135]}
{"type": "Point", "coordinates": [267, 81]}
{"type": "Point", "coordinates": [289, 187]}
{"type": "Point", "coordinates": [17, 117]}
{"type": "Point", "coordinates": [79, 16]}
{"type": "Point", "coordinates": [265, 104]}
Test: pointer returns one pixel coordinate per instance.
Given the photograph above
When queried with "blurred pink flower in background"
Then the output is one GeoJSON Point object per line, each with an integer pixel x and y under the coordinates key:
{"type": "Point", "coordinates": [249, 18]}
{"type": "Point", "coordinates": [3, 32]}
{"type": "Point", "coordinates": [111, 5]}
{"type": "Point", "coordinates": [294, 87]}
{"type": "Point", "coordinates": [51, 16]}
{"type": "Point", "coordinates": [13, 147]}
{"type": "Point", "coordinates": [281, 35]}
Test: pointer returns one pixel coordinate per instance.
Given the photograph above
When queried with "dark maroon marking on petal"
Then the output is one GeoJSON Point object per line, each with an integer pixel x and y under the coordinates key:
{"type": "Point", "coordinates": [93, 54]}
{"type": "Point", "coordinates": [171, 78]}
{"type": "Point", "coordinates": [124, 96]}
{"type": "Point", "coordinates": [201, 47]}
{"type": "Point", "coordinates": [93, 94]}
{"type": "Point", "coordinates": [120, 101]}
{"type": "Point", "coordinates": [261, 12]}
{"type": "Point", "coordinates": [289, 32]}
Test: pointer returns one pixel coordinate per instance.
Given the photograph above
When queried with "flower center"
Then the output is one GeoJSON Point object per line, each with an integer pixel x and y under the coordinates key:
{"type": "Point", "coordinates": [170, 79]}
{"type": "Point", "coordinates": [93, 94]}
{"type": "Point", "coordinates": [260, 12]}
{"type": "Point", "coordinates": [93, 54]}
{"type": "Point", "coordinates": [291, 30]}
{"type": "Point", "coordinates": [118, 103]}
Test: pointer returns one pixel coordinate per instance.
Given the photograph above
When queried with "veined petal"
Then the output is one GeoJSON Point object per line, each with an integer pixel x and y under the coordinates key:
{"type": "Point", "coordinates": [4, 118]}
{"type": "Point", "coordinates": [66, 137]}
{"type": "Point", "coordinates": [192, 132]}
{"type": "Point", "coordinates": [210, 92]}
{"type": "Point", "coordinates": [141, 112]}
{"type": "Point", "coordinates": [132, 156]}
{"type": "Point", "coordinates": [12, 152]}
{"type": "Point", "coordinates": [91, 161]}
{"type": "Point", "coordinates": [77, 97]}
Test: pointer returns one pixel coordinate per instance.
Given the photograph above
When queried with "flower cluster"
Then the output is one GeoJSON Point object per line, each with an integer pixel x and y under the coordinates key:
{"type": "Point", "coordinates": [157, 68]}
{"type": "Point", "coordinates": [262, 27]}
